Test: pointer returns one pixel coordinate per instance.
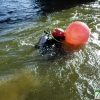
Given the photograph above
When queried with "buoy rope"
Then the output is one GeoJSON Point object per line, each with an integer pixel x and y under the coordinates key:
{"type": "Point", "coordinates": [54, 38]}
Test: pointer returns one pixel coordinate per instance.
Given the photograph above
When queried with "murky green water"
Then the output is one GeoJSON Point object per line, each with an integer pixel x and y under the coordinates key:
{"type": "Point", "coordinates": [25, 74]}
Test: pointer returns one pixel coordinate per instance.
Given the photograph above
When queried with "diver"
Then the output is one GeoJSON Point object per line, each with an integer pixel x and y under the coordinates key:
{"type": "Point", "coordinates": [51, 41]}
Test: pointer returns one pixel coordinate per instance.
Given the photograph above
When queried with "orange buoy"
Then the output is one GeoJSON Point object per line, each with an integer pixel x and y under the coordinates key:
{"type": "Point", "coordinates": [77, 33]}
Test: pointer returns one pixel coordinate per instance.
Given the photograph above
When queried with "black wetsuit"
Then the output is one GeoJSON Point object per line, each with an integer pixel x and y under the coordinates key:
{"type": "Point", "coordinates": [50, 45]}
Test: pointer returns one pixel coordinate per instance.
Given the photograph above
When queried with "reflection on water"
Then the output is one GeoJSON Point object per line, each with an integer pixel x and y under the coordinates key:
{"type": "Point", "coordinates": [25, 74]}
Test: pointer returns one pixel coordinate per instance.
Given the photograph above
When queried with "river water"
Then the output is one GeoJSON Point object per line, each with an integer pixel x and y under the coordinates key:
{"type": "Point", "coordinates": [25, 74]}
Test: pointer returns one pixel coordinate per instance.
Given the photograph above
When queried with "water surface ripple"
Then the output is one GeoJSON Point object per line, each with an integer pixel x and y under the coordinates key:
{"type": "Point", "coordinates": [25, 74]}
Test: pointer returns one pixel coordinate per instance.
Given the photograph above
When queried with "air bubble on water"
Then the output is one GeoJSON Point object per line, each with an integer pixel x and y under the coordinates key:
{"type": "Point", "coordinates": [98, 52]}
{"type": "Point", "coordinates": [95, 35]}
{"type": "Point", "coordinates": [98, 27]}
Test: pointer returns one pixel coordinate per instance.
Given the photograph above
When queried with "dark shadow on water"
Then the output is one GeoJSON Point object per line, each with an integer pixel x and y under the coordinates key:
{"type": "Point", "coordinates": [49, 6]}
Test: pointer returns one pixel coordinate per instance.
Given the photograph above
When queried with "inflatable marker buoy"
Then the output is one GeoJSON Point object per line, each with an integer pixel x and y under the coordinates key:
{"type": "Point", "coordinates": [77, 33]}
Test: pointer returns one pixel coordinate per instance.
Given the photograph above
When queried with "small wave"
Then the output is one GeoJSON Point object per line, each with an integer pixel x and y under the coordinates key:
{"type": "Point", "coordinates": [5, 20]}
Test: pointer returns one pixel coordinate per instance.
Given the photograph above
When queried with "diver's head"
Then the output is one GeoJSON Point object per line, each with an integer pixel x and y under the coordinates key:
{"type": "Point", "coordinates": [58, 34]}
